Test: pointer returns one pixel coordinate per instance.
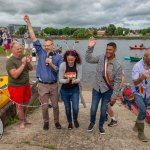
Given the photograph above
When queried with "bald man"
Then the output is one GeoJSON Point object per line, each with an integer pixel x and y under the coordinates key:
{"type": "Point", "coordinates": [141, 90]}
{"type": "Point", "coordinates": [18, 67]}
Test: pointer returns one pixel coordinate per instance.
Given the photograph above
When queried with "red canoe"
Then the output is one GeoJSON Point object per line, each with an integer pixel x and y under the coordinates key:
{"type": "Point", "coordinates": [137, 48]}
{"type": "Point", "coordinates": [135, 109]}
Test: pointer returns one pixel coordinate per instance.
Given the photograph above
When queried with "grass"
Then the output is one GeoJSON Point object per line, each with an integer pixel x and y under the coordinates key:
{"type": "Point", "coordinates": [49, 146]}
{"type": "Point", "coordinates": [12, 120]}
{"type": "Point", "coordinates": [26, 142]}
{"type": "Point", "coordinates": [2, 51]}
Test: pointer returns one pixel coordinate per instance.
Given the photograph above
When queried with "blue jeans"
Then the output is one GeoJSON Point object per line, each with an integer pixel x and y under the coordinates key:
{"type": "Point", "coordinates": [68, 95]}
{"type": "Point", "coordinates": [126, 100]}
{"type": "Point", "coordinates": [96, 96]}
{"type": "Point", "coordinates": [142, 106]}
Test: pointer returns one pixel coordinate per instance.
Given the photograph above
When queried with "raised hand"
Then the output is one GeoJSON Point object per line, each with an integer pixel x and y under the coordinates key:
{"type": "Point", "coordinates": [26, 18]}
{"type": "Point", "coordinates": [92, 42]}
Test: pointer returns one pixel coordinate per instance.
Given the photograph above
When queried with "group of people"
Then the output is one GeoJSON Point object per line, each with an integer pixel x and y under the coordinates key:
{"type": "Point", "coordinates": [67, 70]}
{"type": "Point", "coordinates": [5, 40]}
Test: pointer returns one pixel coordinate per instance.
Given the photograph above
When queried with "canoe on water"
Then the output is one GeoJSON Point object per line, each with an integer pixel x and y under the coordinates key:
{"type": "Point", "coordinates": [137, 48]}
{"type": "Point", "coordinates": [127, 58]}
{"type": "Point", "coordinates": [136, 59]}
{"type": "Point", "coordinates": [134, 107]}
{"type": "Point", "coordinates": [3, 91]}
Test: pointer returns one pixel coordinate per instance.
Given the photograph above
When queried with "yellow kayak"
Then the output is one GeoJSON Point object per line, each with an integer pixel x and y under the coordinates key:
{"type": "Point", "coordinates": [3, 91]}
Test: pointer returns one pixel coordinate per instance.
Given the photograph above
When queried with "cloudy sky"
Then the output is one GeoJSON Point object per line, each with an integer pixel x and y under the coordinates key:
{"type": "Point", "coordinates": [134, 14]}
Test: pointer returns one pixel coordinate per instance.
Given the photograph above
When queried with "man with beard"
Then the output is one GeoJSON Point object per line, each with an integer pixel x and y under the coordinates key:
{"type": "Point", "coordinates": [141, 91]}
{"type": "Point", "coordinates": [107, 82]}
{"type": "Point", "coordinates": [47, 70]}
{"type": "Point", "coordinates": [18, 67]}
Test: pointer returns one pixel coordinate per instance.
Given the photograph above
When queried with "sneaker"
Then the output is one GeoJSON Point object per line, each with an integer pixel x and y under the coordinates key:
{"type": "Point", "coordinates": [50, 106]}
{"type": "Point", "coordinates": [102, 131]}
{"type": "Point", "coordinates": [57, 125]}
{"type": "Point", "coordinates": [76, 123]}
{"type": "Point", "coordinates": [90, 127]}
{"type": "Point", "coordinates": [70, 126]}
{"type": "Point", "coordinates": [46, 126]}
{"type": "Point", "coordinates": [112, 123]}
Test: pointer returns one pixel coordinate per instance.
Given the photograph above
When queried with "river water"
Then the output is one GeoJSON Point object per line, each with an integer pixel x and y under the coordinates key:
{"type": "Point", "coordinates": [122, 51]}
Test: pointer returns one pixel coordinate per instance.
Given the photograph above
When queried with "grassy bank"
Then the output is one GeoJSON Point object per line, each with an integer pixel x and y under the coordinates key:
{"type": "Point", "coordinates": [2, 51]}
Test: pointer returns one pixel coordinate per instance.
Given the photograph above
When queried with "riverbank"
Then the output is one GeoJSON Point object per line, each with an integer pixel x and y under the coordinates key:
{"type": "Point", "coordinates": [66, 37]}
{"type": "Point", "coordinates": [33, 137]}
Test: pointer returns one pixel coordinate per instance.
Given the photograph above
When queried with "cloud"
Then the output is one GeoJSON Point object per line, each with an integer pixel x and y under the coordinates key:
{"type": "Point", "coordinates": [82, 13]}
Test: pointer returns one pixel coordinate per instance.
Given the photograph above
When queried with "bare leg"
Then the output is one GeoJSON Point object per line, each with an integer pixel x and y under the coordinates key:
{"type": "Point", "coordinates": [25, 113]}
{"type": "Point", "coordinates": [20, 113]}
{"type": "Point", "coordinates": [110, 112]}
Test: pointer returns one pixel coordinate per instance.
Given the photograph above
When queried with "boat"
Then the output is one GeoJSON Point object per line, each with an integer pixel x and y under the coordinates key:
{"type": "Point", "coordinates": [134, 109]}
{"type": "Point", "coordinates": [135, 59]}
{"type": "Point", "coordinates": [3, 91]}
{"type": "Point", "coordinates": [137, 47]}
{"type": "Point", "coordinates": [127, 58]}
{"type": "Point", "coordinates": [77, 41]}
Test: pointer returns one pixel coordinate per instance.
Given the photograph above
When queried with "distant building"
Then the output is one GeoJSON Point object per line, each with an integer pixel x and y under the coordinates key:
{"type": "Point", "coordinates": [14, 28]}
{"type": "Point", "coordinates": [37, 29]}
{"type": "Point", "coordinates": [101, 33]}
{"type": "Point", "coordinates": [132, 34]}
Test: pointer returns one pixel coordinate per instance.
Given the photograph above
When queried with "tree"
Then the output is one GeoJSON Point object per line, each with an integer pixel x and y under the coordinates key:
{"type": "Point", "coordinates": [21, 31]}
{"type": "Point", "coordinates": [50, 31]}
{"type": "Point", "coordinates": [118, 31]}
{"type": "Point", "coordinates": [66, 31]}
{"type": "Point", "coordinates": [82, 33]}
{"type": "Point", "coordinates": [111, 29]}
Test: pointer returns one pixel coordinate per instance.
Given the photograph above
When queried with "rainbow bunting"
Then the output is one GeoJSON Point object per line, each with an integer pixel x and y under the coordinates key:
{"type": "Point", "coordinates": [105, 74]}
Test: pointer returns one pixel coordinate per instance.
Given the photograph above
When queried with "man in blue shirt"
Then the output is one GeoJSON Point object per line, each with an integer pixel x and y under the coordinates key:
{"type": "Point", "coordinates": [47, 70]}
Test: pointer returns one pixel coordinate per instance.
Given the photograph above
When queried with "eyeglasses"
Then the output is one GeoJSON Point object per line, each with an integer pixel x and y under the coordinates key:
{"type": "Point", "coordinates": [48, 45]}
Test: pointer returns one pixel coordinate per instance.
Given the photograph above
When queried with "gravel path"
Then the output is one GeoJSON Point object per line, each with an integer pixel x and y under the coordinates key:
{"type": "Point", "coordinates": [33, 137]}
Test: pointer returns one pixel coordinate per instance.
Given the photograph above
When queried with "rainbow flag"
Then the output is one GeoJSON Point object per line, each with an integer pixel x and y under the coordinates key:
{"type": "Point", "coordinates": [105, 74]}
{"type": "Point", "coordinates": [71, 75]}
{"type": "Point", "coordinates": [139, 89]}
{"type": "Point", "coordinates": [131, 97]}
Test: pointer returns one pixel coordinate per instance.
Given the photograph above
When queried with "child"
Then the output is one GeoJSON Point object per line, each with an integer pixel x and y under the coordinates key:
{"type": "Point", "coordinates": [127, 96]}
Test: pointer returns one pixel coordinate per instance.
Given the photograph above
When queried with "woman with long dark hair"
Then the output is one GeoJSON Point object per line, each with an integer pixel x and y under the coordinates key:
{"type": "Point", "coordinates": [70, 74]}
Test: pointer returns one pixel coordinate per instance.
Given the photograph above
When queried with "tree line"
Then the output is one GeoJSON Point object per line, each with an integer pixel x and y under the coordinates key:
{"type": "Point", "coordinates": [111, 30]}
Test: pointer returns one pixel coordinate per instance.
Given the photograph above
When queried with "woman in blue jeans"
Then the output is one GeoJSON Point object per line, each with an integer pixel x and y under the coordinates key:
{"type": "Point", "coordinates": [70, 73]}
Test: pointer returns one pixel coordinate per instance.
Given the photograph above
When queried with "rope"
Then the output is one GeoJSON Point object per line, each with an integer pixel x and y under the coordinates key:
{"type": "Point", "coordinates": [29, 106]}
